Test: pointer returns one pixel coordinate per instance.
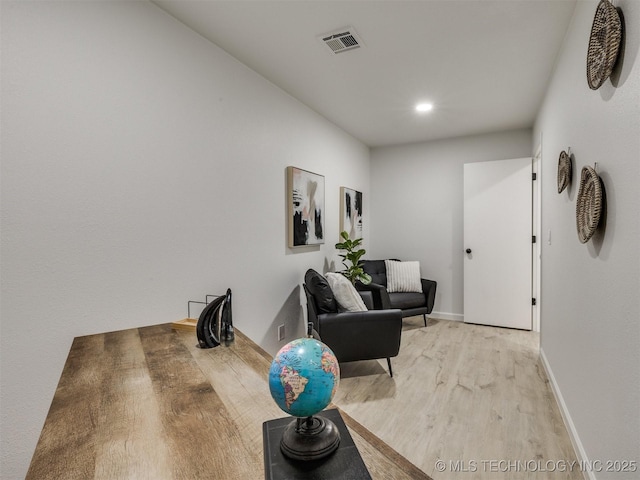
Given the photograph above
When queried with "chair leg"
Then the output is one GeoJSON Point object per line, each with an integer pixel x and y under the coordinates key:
{"type": "Point", "coordinates": [424, 316]}
{"type": "Point", "coordinates": [389, 364]}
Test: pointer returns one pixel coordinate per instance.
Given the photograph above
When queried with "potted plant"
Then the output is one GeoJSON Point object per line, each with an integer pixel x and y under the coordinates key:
{"type": "Point", "coordinates": [351, 259]}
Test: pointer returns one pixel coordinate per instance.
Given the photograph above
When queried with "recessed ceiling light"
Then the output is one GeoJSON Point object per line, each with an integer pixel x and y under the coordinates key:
{"type": "Point", "coordinates": [424, 107]}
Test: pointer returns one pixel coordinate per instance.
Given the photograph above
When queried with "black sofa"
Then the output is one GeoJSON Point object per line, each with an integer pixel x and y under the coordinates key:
{"type": "Point", "coordinates": [409, 303]}
{"type": "Point", "coordinates": [352, 335]}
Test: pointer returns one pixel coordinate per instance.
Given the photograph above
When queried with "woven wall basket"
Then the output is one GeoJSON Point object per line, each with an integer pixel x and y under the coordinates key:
{"type": "Point", "coordinates": [564, 171]}
{"type": "Point", "coordinates": [604, 44]}
{"type": "Point", "coordinates": [589, 204]}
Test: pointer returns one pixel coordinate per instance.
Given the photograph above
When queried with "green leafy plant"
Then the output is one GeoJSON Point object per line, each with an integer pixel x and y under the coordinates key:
{"type": "Point", "coordinates": [351, 259]}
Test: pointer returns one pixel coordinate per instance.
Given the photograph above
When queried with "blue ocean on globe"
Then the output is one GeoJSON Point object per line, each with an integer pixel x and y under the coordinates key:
{"type": "Point", "coordinates": [304, 377]}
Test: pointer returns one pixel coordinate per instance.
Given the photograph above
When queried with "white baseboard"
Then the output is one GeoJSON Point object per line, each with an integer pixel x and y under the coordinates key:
{"type": "Point", "coordinates": [456, 317]}
{"type": "Point", "coordinates": [581, 455]}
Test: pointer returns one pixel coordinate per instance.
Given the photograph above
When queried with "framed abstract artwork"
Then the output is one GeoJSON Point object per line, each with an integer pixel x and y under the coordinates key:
{"type": "Point", "coordinates": [351, 212]}
{"type": "Point", "coordinates": [305, 197]}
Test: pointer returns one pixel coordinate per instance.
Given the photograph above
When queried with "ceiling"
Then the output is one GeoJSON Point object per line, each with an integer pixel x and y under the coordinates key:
{"type": "Point", "coordinates": [484, 64]}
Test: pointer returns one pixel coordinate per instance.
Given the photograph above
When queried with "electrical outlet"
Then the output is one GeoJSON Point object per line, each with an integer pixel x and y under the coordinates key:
{"type": "Point", "coordinates": [281, 332]}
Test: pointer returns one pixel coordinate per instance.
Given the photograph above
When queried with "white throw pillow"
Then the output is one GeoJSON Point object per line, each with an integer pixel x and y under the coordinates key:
{"type": "Point", "coordinates": [348, 298]}
{"type": "Point", "coordinates": [403, 276]}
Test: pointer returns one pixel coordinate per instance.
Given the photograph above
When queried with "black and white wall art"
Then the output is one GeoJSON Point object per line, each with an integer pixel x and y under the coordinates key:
{"type": "Point", "coordinates": [351, 212]}
{"type": "Point", "coordinates": [305, 196]}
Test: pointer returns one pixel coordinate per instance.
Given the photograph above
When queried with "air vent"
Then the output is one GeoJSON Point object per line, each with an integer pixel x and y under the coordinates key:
{"type": "Point", "coordinates": [341, 40]}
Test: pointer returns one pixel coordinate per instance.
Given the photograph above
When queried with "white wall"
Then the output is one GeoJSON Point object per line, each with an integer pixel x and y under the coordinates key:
{"type": "Point", "coordinates": [417, 205]}
{"type": "Point", "coordinates": [590, 331]}
{"type": "Point", "coordinates": [142, 167]}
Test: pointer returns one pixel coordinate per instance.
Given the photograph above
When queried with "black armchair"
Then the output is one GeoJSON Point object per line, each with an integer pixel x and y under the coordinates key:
{"type": "Point", "coordinates": [352, 336]}
{"type": "Point", "coordinates": [410, 303]}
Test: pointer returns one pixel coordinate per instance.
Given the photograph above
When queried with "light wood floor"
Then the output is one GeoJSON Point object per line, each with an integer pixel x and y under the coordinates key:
{"type": "Point", "coordinates": [474, 397]}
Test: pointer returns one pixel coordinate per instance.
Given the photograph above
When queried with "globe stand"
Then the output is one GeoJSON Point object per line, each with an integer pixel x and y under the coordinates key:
{"type": "Point", "coordinates": [310, 438]}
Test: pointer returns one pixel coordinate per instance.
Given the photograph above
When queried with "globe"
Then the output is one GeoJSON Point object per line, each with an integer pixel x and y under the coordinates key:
{"type": "Point", "coordinates": [304, 377]}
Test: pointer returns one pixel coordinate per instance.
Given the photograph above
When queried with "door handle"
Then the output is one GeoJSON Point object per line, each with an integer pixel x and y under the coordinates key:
{"type": "Point", "coordinates": [468, 250]}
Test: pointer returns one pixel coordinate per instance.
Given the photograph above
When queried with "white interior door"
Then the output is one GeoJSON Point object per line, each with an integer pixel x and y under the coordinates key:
{"type": "Point", "coordinates": [497, 236]}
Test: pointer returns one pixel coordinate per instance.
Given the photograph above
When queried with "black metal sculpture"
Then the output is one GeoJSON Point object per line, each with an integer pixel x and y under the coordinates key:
{"type": "Point", "coordinates": [215, 323]}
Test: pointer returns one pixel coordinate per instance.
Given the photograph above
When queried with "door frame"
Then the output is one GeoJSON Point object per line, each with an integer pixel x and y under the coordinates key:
{"type": "Point", "coordinates": [536, 257]}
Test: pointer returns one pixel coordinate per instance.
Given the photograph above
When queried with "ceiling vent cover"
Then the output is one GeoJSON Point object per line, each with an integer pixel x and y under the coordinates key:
{"type": "Point", "coordinates": [341, 40]}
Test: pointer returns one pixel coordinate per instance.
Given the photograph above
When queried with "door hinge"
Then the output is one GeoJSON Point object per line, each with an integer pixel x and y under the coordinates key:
{"type": "Point", "coordinates": [533, 239]}
{"type": "Point", "coordinates": [534, 176]}
{"type": "Point", "coordinates": [533, 302]}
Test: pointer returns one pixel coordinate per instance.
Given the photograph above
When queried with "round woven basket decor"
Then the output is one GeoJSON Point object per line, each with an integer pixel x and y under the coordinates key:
{"type": "Point", "coordinates": [589, 204]}
{"type": "Point", "coordinates": [564, 171]}
{"type": "Point", "coordinates": [604, 44]}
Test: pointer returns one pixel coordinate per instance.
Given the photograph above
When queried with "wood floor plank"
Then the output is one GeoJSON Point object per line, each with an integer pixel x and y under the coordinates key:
{"type": "Point", "coordinates": [462, 393]}
{"type": "Point", "coordinates": [366, 441]}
